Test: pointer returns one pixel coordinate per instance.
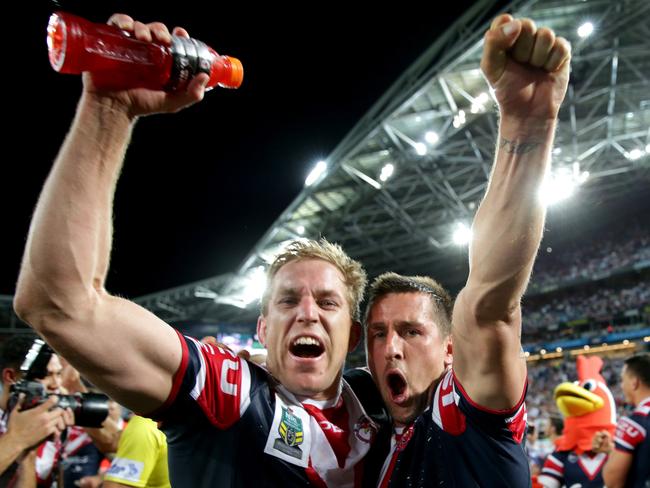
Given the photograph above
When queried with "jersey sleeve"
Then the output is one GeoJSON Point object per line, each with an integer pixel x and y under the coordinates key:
{"type": "Point", "coordinates": [629, 434]}
{"type": "Point", "coordinates": [552, 475]}
{"type": "Point", "coordinates": [214, 378]}
{"type": "Point", "coordinates": [452, 406]}
{"type": "Point", "coordinates": [137, 453]}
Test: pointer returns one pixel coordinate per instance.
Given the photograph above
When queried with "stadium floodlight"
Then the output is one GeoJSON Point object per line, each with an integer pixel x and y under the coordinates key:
{"type": "Point", "coordinates": [558, 349]}
{"type": "Point", "coordinates": [316, 173]}
{"type": "Point", "coordinates": [585, 30]}
{"type": "Point", "coordinates": [542, 351]}
{"type": "Point", "coordinates": [561, 184]}
{"type": "Point", "coordinates": [255, 284]}
{"type": "Point", "coordinates": [420, 148]}
{"type": "Point", "coordinates": [557, 150]}
{"type": "Point", "coordinates": [301, 229]}
{"type": "Point", "coordinates": [647, 148]}
{"type": "Point", "coordinates": [462, 234]}
{"type": "Point", "coordinates": [459, 119]}
{"type": "Point", "coordinates": [634, 154]}
{"type": "Point", "coordinates": [431, 137]}
{"type": "Point", "coordinates": [386, 172]}
{"type": "Point", "coordinates": [478, 105]}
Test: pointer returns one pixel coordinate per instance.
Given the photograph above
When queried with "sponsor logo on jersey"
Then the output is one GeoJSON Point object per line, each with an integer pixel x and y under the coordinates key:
{"type": "Point", "coordinates": [125, 469]}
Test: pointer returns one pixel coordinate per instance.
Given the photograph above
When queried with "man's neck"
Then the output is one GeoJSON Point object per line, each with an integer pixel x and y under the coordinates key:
{"type": "Point", "coordinates": [641, 395]}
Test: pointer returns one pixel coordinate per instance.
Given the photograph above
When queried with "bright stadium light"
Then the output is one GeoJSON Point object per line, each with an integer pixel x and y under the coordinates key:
{"type": "Point", "coordinates": [301, 229]}
{"type": "Point", "coordinates": [386, 172]}
{"type": "Point", "coordinates": [634, 154]}
{"type": "Point", "coordinates": [420, 148]}
{"type": "Point", "coordinates": [561, 184]}
{"type": "Point", "coordinates": [585, 30]}
{"type": "Point", "coordinates": [459, 119]}
{"type": "Point", "coordinates": [462, 234]}
{"type": "Point", "coordinates": [478, 105]}
{"type": "Point", "coordinates": [431, 137]}
{"type": "Point", "coordinates": [255, 285]}
{"type": "Point", "coordinates": [556, 188]}
{"type": "Point", "coordinates": [316, 173]}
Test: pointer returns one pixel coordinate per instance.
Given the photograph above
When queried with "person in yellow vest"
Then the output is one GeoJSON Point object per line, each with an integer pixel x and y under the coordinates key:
{"type": "Point", "coordinates": [141, 458]}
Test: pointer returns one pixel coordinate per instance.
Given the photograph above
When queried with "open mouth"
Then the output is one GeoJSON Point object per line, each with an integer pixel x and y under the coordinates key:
{"type": "Point", "coordinates": [306, 347]}
{"type": "Point", "coordinates": [396, 386]}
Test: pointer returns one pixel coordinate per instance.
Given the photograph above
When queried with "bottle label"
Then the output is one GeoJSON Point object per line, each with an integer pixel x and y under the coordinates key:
{"type": "Point", "coordinates": [190, 57]}
{"type": "Point", "coordinates": [130, 54]}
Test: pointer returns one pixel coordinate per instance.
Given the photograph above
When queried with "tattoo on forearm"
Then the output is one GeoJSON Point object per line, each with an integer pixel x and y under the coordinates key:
{"type": "Point", "coordinates": [517, 147]}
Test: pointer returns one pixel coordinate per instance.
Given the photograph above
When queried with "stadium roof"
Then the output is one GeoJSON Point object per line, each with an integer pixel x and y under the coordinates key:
{"type": "Point", "coordinates": [404, 222]}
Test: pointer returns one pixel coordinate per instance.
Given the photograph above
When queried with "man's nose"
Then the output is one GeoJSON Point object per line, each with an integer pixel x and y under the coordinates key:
{"type": "Point", "coordinates": [308, 310]}
{"type": "Point", "coordinates": [394, 346]}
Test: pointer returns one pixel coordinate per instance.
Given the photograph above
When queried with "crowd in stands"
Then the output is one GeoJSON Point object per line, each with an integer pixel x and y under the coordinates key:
{"type": "Point", "coordinates": [597, 306]}
{"type": "Point", "coordinates": [590, 259]}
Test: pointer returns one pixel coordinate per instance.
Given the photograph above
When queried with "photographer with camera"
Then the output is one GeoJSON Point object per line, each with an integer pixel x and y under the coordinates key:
{"type": "Point", "coordinates": [33, 381]}
{"type": "Point", "coordinates": [23, 429]}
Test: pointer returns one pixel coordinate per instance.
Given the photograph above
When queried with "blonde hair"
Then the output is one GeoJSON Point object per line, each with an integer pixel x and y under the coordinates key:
{"type": "Point", "coordinates": [354, 276]}
{"type": "Point", "coordinates": [441, 300]}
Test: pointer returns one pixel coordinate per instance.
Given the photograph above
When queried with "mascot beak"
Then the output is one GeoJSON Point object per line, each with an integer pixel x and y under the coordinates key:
{"type": "Point", "coordinates": [574, 400]}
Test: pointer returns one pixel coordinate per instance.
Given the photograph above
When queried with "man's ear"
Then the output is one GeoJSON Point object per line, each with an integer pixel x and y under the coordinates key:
{"type": "Point", "coordinates": [448, 353]}
{"type": "Point", "coordinates": [261, 329]}
{"type": "Point", "coordinates": [9, 376]}
{"type": "Point", "coordinates": [355, 335]}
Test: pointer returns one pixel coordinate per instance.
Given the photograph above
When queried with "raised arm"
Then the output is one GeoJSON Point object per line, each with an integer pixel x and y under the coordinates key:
{"type": "Point", "coordinates": [528, 68]}
{"type": "Point", "coordinates": [122, 348]}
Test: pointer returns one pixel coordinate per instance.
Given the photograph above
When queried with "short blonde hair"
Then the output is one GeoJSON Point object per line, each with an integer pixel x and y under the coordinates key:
{"type": "Point", "coordinates": [353, 274]}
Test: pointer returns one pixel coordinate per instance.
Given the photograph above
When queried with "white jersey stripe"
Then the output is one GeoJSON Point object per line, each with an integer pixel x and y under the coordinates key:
{"type": "Point", "coordinates": [199, 382]}
{"type": "Point", "coordinates": [245, 391]}
{"type": "Point", "coordinates": [555, 460]}
{"type": "Point", "coordinates": [548, 481]}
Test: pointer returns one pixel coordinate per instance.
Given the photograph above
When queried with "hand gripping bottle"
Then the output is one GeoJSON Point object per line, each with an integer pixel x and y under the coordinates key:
{"type": "Point", "coordinates": [119, 61]}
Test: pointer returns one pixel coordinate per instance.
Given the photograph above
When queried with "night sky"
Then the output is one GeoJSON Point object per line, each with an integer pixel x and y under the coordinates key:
{"type": "Point", "coordinates": [199, 188]}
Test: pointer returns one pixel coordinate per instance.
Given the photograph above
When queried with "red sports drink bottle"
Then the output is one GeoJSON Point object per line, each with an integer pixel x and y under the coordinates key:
{"type": "Point", "coordinates": [119, 61]}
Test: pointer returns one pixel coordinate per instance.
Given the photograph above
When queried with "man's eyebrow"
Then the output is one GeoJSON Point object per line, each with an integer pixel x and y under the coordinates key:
{"type": "Point", "coordinates": [327, 292]}
{"type": "Point", "coordinates": [287, 290]}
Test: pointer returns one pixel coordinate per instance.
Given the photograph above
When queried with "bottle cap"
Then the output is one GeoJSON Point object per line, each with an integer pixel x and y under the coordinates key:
{"type": "Point", "coordinates": [236, 73]}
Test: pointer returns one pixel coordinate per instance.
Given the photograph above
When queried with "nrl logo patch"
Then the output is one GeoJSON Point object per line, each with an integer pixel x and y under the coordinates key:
{"type": "Point", "coordinates": [291, 433]}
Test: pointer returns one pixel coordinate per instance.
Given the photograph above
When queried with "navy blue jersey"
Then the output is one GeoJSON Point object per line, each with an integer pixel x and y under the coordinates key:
{"type": "Point", "coordinates": [230, 424]}
{"type": "Point", "coordinates": [566, 468]}
{"type": "Point", "coordinates": [456, 443]}
{"type": "Point", "coordinates": [633, 437]}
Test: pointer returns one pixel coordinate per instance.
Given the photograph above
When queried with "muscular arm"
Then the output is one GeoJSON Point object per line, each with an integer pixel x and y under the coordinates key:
{"type": "Point", "coordinates": [617, 468]}
{"type": "Point", "coordinates": [508, 226]}
{"type": "Point", "coordinates": [9, 451]}
{"type": "Point", "coordinates": [122, 348]}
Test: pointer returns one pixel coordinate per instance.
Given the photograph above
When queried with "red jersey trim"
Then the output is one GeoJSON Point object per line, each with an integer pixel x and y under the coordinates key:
{"type": "Point", "coordinates": [177, 380]}
{"type": "Point", "coordinates": [507, 411]}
